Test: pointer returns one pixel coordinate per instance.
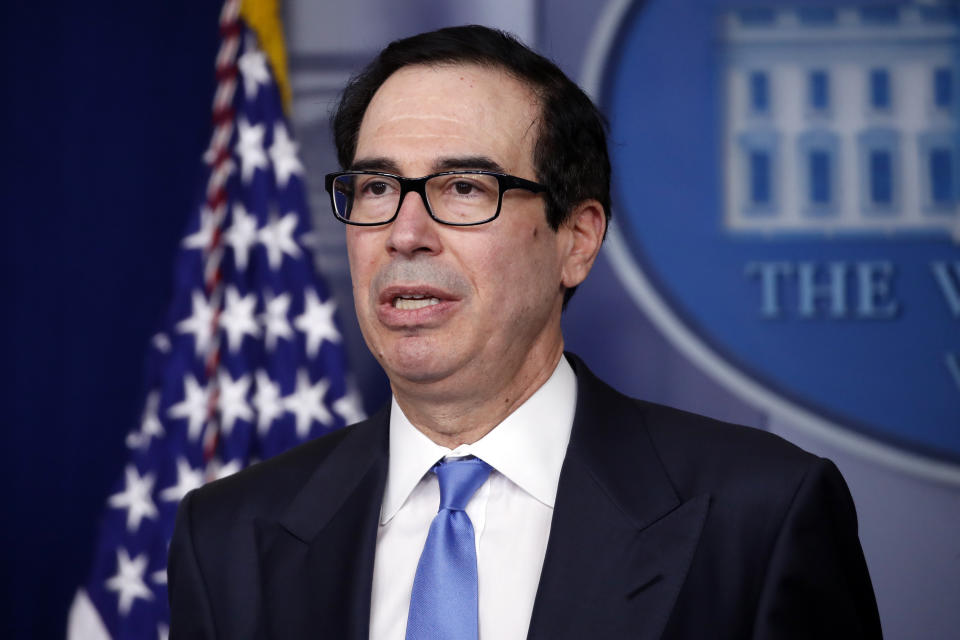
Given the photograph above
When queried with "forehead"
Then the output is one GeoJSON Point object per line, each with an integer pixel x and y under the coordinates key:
{"type": "Point", "coordinates": [425, 113]}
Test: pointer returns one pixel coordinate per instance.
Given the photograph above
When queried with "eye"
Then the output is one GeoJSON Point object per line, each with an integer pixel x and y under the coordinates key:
{"type": "Point", "coordinates": [375, 188]}
{"type": "Point", "coordinates": [464, 188]}
{"type": "Point", "coordinates": [467, 187]}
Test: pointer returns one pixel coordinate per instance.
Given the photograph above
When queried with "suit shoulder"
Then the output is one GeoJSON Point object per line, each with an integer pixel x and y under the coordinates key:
{"type": "Point", "coordinates": [704, 453]}
{"type": "Point", "coordinates": [698, 454]}
{"type": "Point", "coordinates": [686, 442]}
{"type": "Point", "coordinates": [672, 427]}
{"type": "Point", "coordinates": [266, 487]}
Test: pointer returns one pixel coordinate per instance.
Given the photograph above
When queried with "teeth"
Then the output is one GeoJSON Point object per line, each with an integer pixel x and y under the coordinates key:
{"type": "Point", "coordinates": [407, 304]}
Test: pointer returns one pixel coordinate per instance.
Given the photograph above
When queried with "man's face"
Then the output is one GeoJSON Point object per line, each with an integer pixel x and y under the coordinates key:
{"type": "Point", "coordinates": [457, 312]}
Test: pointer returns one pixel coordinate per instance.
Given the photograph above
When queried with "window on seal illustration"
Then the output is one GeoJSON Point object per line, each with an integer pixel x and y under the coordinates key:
{"type": "Point", "coordinates": [879, 172]}
{"type": "Point", "coordinates": [939, 172]}
{"type": "Point", "coordinates": [879, 90]}
{"type": "Point", "coordinates": [880, 15]}
{"type": "Point", "coordinates": [941, 175]}
{"type": "Point", "coordinates": [758, 173]}
{"type": "Point", "coordinates": [945, 11]}
{"type": "Point", "coordinates": [760, 189]}
{"type": "Point", "coordinates": [943, 88]}
{"type": "Point", "coordinates": [818, 92]}
{"type": "Point", "coordinates": [817, 16]}
{"type": "Point", "coordinates": [880, 166]}
{"type": "Point", "coordinates": [758, 88]}
{"type": "Point", "coordinates": [819, 155]}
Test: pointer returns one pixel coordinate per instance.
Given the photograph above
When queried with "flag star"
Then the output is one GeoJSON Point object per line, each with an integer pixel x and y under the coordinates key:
{"type": "Point", "coordinates": [150, 424]}
{"type": "Point", "coordinates": [283, 153]}
{"type": "Point", "coordinates": [241, 235]}
{"type": "Point", "coordinates": [232, 401]}
{"type": "Point", "coordinates": [277, 238]}
{"type": "Point", "coordinates": [163, 632]}
{"type": "Point", "coordinates": [188, 479]}
{"type": "Point", "coordinates": [194, 406]}
{"type": "Point", "coordinates": [306, 403]}
{"type": "Point", "coordinates": [253, 68]}
{"type": "Point", "coordinates": [237, 317]}
{"type": "Point", "coordinates": [267, 401]}
{"type": "Point", "coordinates": [135, 498]}
{"type": "Point", "coordinates": [250, 148]}
{"type": "Point", "coordinates": [128, 582]}
{"type": "Point", "coordinates": [201, 238]}
{"type": "Point", "coordinates": [159, 577]}
{"type": "Point", "coordinates": [350, 406]}
{"type": "Point", "coordinates": [316, 322]}
{"type": "Point", "coordinates": [275, 320]}
{"type": "Point", "coordinates": [199, 322]}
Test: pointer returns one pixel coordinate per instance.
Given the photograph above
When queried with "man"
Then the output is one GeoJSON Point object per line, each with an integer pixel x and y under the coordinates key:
{"type": "Point", "coordinates": [476, 200]}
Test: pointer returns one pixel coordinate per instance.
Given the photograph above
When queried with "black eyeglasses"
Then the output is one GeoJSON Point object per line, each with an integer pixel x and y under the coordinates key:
{"type": "Point", "coordinates": [459, 198]}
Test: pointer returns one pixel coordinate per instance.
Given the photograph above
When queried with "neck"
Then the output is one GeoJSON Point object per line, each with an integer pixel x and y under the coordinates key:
{"type": "Point", "coordinates": [451, 420]}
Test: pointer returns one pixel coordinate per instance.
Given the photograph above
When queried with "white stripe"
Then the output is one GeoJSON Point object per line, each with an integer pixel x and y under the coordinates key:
{"type": "Point", "coordinates": [231, 9]}
{"type": "Point", "coordinates": [83, 621]}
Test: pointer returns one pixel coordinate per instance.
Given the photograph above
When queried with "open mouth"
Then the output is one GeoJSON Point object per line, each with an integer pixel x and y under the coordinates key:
{"type": "Point", "coordinates": [411, 302]}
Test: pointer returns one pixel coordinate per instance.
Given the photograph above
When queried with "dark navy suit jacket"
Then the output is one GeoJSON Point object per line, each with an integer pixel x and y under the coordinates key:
{"type": "Point", "coordinates": [666, 525]}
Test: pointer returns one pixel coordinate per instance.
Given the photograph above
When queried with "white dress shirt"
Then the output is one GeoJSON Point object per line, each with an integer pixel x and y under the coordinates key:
{"type": "Point", "coordinates": [511, 512]}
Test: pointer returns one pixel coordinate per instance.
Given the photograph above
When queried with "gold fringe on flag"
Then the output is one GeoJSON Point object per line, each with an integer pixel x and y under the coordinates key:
{"type": "Point", "coordinates": [263, 17]}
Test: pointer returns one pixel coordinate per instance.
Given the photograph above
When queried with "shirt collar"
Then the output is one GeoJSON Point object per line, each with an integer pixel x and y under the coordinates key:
{"type": "Point", "coordinates": [528, 447]}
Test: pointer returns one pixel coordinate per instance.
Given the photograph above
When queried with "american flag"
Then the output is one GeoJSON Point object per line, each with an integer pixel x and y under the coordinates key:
{"type": "Point", "coordinates": [250, 361]}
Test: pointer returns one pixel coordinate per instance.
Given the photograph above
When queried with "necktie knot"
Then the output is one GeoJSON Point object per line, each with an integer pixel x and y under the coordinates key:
{"type": "Point", "coordinates": [459, 479]}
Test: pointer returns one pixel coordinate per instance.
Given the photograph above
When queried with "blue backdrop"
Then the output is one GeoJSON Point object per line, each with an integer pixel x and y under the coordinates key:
{"type": "Point", "coordinates": [106, 111]}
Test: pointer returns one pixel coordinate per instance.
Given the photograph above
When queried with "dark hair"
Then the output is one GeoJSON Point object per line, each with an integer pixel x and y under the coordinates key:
{"type": "Point", "coordinates": [570, 155]}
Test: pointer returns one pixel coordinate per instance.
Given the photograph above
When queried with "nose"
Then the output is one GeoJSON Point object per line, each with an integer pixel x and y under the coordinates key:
{"type": "Point", "coordinates": [413, 231]}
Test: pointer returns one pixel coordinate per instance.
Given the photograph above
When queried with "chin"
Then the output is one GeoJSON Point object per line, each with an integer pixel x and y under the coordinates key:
{"type": "Point", "coordinates": [417, 361]}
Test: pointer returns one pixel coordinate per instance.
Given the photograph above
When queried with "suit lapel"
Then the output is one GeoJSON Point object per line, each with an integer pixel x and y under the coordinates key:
{"type": "Point", "coordinates": [621, 540]}
{"type": "Point", "coordinates": [317, 569]}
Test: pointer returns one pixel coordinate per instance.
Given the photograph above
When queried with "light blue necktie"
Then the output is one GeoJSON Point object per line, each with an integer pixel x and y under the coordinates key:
{"type": "Point", "coordinates": [443, 605]}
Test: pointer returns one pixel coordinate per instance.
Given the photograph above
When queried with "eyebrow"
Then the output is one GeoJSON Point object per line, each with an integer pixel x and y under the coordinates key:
{"type": "Point", "coordinates": [375, 164]}
{"type": "Point", "coordinates": [465, 163]}
{"type": "Point", "coordinates": [481, 163]}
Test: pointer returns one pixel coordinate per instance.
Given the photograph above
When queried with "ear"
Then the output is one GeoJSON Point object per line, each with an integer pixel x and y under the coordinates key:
{"type": "Point", "coordinates": [584, 227]}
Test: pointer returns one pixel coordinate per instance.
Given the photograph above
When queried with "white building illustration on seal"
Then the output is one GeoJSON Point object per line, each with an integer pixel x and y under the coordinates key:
{"type": "Point", "coordinates": [842, 119]}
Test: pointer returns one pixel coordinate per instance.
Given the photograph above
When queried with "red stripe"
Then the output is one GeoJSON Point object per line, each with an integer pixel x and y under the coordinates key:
{"type": "Point", "coordinates": [226, 72]}
{"type": "Point", "coordinates": [223, 114]}
{"type": "Point", "coordinates": [230, 29]}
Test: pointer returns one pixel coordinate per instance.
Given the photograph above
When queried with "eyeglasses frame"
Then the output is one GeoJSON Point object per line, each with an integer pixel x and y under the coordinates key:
{"type": "Point", "coordinates": [419, 185]}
